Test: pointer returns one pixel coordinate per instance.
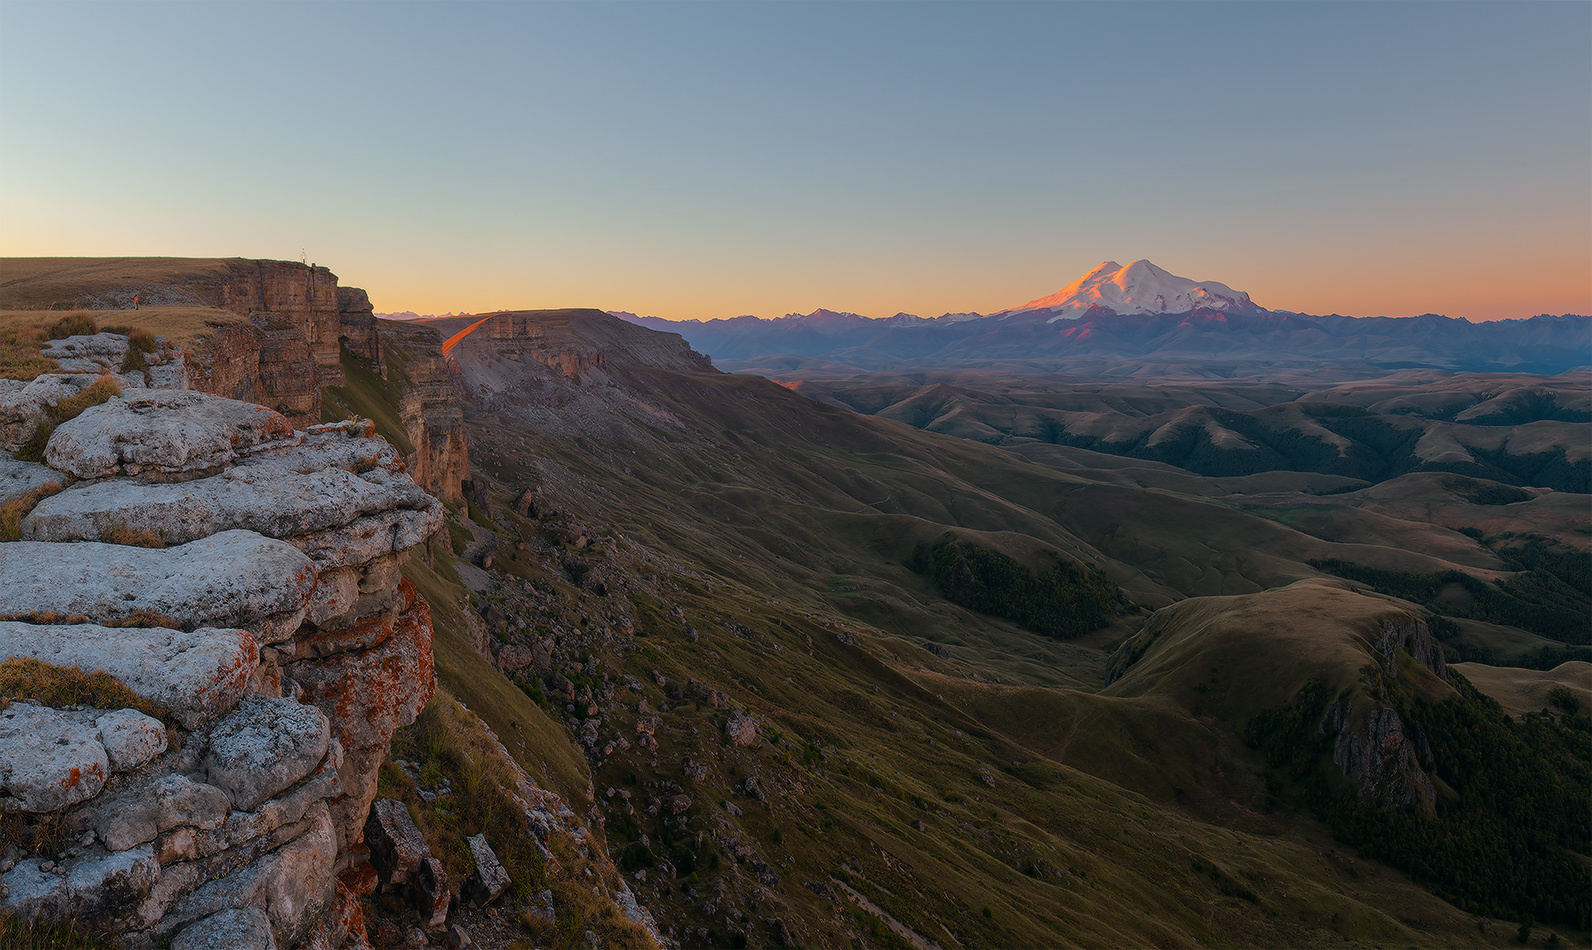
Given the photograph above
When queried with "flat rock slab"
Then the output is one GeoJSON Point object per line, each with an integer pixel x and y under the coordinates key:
{"type": "Point", "coordinates": [197, 675]}
{"type": "Point", "coordinates": [263, 747]}
{"type": "Point", "coordinates": [22, 479]}
{"type": "Point", "coordinates": [325, 447]}
{"type": "Point", "coordinates": [164, 433]}
{"type": "Point", "coordinates": [271, 501]}
{"type": "Point", "coordinates": [231, 579]}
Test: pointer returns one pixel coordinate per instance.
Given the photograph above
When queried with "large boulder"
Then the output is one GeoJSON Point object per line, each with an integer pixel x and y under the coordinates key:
{"type": "Point", "coordinates": [165, 433]}
{"type": "Point", "coordinates": [263, 747]}
{"type": "Point", "coordinates": [233, 579]}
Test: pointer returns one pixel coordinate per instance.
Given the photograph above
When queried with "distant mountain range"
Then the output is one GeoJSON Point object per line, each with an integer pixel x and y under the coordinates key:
{"type": "Point", "coordinates": [1134, 313]}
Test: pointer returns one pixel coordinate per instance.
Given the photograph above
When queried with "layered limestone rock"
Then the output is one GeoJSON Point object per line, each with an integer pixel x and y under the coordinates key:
{"type": "Point", "coordinates": [305, 296]}
{"type": "Point", "coordinates": [272, 631]}
{"type": "Point", "coordinates": [289, 349]}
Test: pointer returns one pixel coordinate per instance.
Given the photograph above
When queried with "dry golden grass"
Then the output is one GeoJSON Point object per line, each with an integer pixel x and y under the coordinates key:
{"type": "Point", "coordinates": [179, 324]}
{"type": "Point", "coordinates": [61, 283]}
{"type": "Point", "coordinates": [13, 511]}
{"type": "Point", "coordinates": [19, 934]}
{"type": "Point", "coordinates": [1527, 691]}
{"type": "Point", "coordinates": [27, 678]}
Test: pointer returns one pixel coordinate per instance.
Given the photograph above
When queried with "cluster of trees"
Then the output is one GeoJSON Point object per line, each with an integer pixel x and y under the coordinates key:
{"type": "Point", "coordinates": [1062, 601]}
{"type": "Point", "coordinates": [1485, 493]}
{"type": "Point", "coordinates": [1512, 817]}
{"type": "Point", "coordinates": [1551, 596]}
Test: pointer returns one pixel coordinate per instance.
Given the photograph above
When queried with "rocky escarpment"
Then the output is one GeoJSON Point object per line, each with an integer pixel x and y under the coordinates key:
{"type": "Point", "coordinates": [290, 347]}
{"type": "Point", "coordinates": [565, 372]}
{"type": "Point", "coordinates": [259, 613]}
{"type": "Point", "coordinates": [1379, 755]}
{"type": "Point", "coordinates": [429, 408]}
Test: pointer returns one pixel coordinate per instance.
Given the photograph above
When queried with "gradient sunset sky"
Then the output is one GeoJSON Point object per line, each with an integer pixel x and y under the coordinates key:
{"type": "Point", "coordinates": [707, 160]}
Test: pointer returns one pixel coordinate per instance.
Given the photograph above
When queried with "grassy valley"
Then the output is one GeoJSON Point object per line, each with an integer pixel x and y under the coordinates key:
{"type": "Point", "coordinates": [705, 583]}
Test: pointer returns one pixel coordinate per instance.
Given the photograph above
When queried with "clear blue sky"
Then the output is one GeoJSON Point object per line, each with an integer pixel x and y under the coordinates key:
{"type": "Point", "coordinates": [704, 160]}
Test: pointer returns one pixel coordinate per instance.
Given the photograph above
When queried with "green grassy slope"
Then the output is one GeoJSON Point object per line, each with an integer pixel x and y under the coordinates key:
{"type": "Point", "coordinates": [742, 551]}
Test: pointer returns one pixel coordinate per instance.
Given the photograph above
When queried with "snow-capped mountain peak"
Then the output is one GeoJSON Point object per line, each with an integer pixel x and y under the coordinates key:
{"type": "Point", "coordinates": [1140, 287]}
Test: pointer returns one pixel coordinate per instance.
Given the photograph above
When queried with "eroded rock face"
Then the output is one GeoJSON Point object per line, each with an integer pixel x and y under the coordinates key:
{"type": "Point", "coordinates": [278, 632]}
{"type": "Point", "coordinates": [1377, 754]}
{"type": "Point", "coordinates": [368, 693]}
{"type": "Point", "coordinates": [433, 416]}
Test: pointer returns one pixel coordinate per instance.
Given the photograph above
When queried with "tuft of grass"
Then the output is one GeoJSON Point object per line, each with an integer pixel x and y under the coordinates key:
{"type": "Point", "coordinates": [134, 361]}
{"type": "Point", "coordinates": [121, 533]}
{"type": "Point", "coordinates": [57, 686]}
{"type": "Point", "coordinates": [19, 934]}
{"type": "Point", "coordinates": [77, 323]}
{"type": "Point", "coordinates": [13, 511]}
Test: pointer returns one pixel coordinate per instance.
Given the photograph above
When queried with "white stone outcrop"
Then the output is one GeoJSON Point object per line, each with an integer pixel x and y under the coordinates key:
{"type": "Point", "coordinates": [275, 629]}
{"type": "Point", "coordinates": [320, 513]}
{"type": "Point", "coordinates": [196, 674]}
{"type": "Point", "coordinates": [88, 353]}
{"type": "Point", "coordinates": [234, 579]}
{"type": "Point", "coordinates": [23, 403]}
{"type": "Point", "coordinates": [170, 434]}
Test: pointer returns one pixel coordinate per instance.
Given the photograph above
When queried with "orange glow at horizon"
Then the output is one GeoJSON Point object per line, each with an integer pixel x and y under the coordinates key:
{"type": "Point", "coordinates": [1478, 294]}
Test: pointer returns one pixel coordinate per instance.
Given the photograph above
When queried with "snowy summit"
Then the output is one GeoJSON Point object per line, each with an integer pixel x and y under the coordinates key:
{"type": "Point", "coordinates": [1140, 287]}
